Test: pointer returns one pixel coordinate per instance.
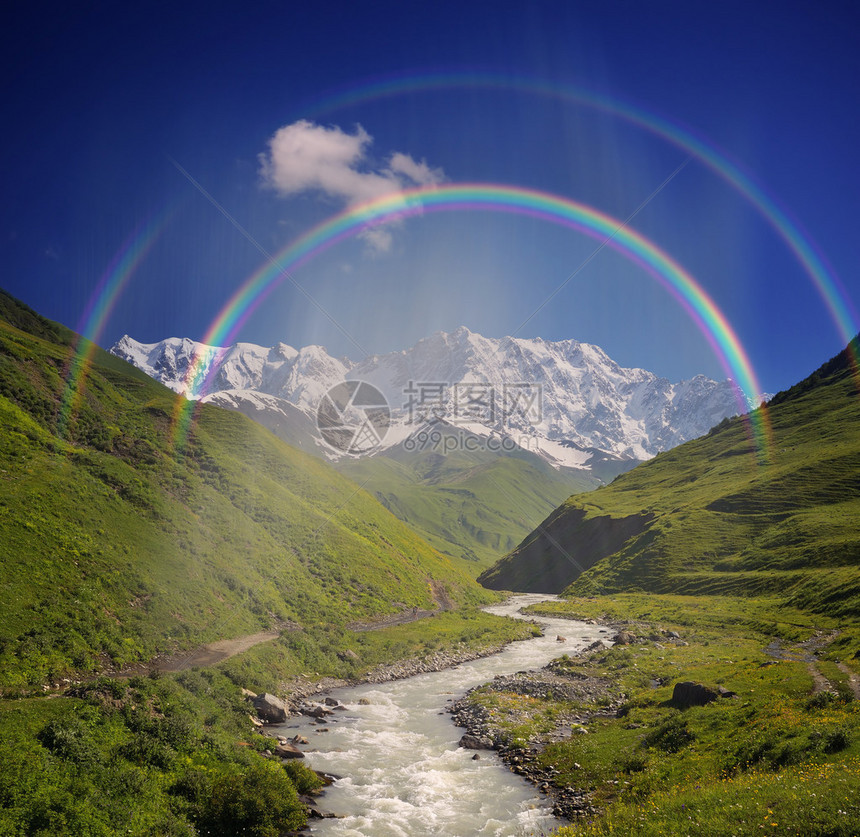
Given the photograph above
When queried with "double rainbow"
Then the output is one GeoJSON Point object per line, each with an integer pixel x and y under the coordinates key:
{"type": "Point", "coordinates": [101, 303]}
{"type": "Point", "coordinates": [821, 274]}
{"type": "Point", "coordinates": [496, 198]}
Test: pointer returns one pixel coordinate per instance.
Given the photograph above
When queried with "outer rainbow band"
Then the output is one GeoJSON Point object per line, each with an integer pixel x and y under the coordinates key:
{"type": "Point", "coordinates": [823, 277]}
{"type": "Point", "coordinates": [101, 303]}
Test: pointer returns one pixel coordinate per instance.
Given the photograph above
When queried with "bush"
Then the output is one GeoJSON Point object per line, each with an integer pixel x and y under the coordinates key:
{"type": "Point", "coordinates": [69, 739]}
{"type": "Point", "coordinates": [259, 801]}
{"type": "Point", "coordinates": [836, 740]}
{"type": "Point", "coordinates": [147, 750]}
{"type": "Point", "coordinates": [773, 750]}
{"type": "Point", "coordinates": [305, 779]}
{"type": "Point", "coordinates": [635, 763]}
{"type": "Point", "coordinates": [821, 700]}
{"type": "Point", "coordinates": [670, 736]}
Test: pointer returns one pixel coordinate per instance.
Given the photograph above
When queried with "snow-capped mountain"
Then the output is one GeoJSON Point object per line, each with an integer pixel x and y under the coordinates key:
{"type": "Point", "coordinates": [564, 400]}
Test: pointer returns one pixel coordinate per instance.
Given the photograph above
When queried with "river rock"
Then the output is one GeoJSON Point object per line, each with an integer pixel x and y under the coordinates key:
{"type": "Point", "coordinates": [314, 812]}
{"type": "Point", "coordinates": [476, 742]}
{"type": "Point", "coordinates": [624, 638]}
{"type": "Point", "coordinates": [317, 712]}
{"type": "Point", "coordinates": [288, 751]}
{"type": "Point", "coordinates": [270, 709]}
{"type": "Point", "coordinates": [686, 694]}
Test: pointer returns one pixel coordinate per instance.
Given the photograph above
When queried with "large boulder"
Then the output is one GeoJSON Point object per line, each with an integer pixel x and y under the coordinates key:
{"type": "Point", "coordinates": [476, 742]}
{"type": "Point", "coordinates": [687, 694]}
{"type": "Point", "coordinates": [288, 751]}
{"type": "Point", "coordinates": [271, 709]}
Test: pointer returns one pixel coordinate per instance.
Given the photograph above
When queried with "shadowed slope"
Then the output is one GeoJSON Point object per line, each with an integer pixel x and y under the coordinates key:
{"type": "Point", "coordinates": [713, 520]}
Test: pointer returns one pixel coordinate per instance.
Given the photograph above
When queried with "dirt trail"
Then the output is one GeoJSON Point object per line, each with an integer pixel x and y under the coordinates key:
{"type": "Point", "coordinates": [805, 652]}
{"type": "Point", "coordinates": [853, 679]}
{"type": "Point", "coordinates": [440, 596]}
{"type": "Point", "coordinates": [215, 652]}
{"type": "Point", "coordinates": [402, 618]}
{"type": "Point", "coordinates": [819, 682]}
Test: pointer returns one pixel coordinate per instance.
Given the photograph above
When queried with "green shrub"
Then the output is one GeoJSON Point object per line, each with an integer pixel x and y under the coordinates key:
{"type": "Point", "coordinates": [259, 801]}
{"type": "Point", "coordinates": [305, 779]}
{"type": "Point", "coordinates": [669, 736]}
{"type": "Point", "coordinates": [836, 740]}
{"type": "Point", "coordinates": [69, 739]}
{"type": "Point", "coordinates": [821, 700]}
{"type": "Point", "coordinates": [147, 750]}
{"type": "Point", "coordinates": [635, 763]}
{"type": "Point", "coordinates": [773, 750]}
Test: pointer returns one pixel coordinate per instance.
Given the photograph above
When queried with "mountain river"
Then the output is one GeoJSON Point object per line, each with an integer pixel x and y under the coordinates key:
{"type": "Point", "coordinates": [403, 772]}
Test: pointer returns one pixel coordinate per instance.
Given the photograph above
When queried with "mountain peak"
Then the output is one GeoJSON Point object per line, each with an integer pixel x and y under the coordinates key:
{"type": "Point", "coordinates": [578, 397]}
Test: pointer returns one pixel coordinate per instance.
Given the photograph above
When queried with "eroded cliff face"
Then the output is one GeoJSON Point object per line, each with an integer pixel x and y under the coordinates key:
{"type": "Point", "coordinates": [565, 545]}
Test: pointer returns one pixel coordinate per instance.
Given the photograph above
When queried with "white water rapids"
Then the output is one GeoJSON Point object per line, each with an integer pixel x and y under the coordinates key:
{"type": "Point", "coordinates": [403, 772]}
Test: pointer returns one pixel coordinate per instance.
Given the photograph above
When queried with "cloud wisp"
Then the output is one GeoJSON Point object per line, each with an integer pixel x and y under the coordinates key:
{"type": "Point", "coordinates": [306, 157]}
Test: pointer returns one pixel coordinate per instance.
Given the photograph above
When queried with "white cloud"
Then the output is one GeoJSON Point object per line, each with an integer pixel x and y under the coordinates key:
{"type": "Point", "coordinates": [379, 236]}
{"type": "Point", "coordinates": [306, 157]}
{"type": "Point", "coordinates": [419, 173]}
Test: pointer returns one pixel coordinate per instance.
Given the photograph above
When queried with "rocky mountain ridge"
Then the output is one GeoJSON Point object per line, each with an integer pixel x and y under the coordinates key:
{"type": "Point", "coordinates": [564, 400]}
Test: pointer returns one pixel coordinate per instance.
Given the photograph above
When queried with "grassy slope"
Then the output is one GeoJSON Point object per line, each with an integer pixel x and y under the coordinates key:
{"type": "Point", "coordinates": [745, 561]}
{"type": "Point", "coordinates": [719, 521]}
{"type": "Point", "coordinates": [470, 505]}
{"type": "Point", "coordinates": [779, 757]}
{"type": "Point", "coordinates": [114, 549]}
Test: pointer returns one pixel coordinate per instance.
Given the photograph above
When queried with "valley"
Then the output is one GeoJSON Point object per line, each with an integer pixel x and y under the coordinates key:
{"type": "Point", "coordinates": [430, 421]}
{"type": "Point", "coordinates": [146, 587]}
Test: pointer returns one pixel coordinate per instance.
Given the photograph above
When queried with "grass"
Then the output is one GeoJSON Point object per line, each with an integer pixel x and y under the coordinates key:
{"type": "Point", "coordinates": [116, 549]}
{"type": "Point", "coordinates": [341, 653]}
{"type": "Point", "coordinates": [172, 756]}
{"type": "Point", "coordinates": [777, 756]}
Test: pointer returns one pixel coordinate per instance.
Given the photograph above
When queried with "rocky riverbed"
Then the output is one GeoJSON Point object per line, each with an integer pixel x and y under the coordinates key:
{"type": "Point", "coordinates": [396, 755]}
{"type": "Point", "coordinates": [588, 697]}
{"type": "Point", "coordinates": [301, 688]}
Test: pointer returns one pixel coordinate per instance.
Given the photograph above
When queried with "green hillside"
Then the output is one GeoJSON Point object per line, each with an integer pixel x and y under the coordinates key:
{"type": "Point", "coordinates": [731, 577]}
{"type": "Point", "coordinates": [115, 550]}
{"type": "Point", "coordinates": [469, 504]}
{"type": "Point", "coordinates": [709, 518]}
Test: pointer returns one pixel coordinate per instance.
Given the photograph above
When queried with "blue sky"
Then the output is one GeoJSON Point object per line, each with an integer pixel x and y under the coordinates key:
{"type": "Point", "coordinates": [99, 100]}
